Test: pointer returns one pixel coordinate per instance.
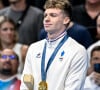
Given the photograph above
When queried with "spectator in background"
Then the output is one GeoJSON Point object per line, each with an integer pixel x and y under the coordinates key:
{"type": "Point", "coordinates": [93, 80]}
{"type": "Point", "coordinates": [27, 18]}
{"type": "Point", "coordinates": [1, 4]}
{"type": "Point", "coordinates": [98, 27]}
{"type": "Point", "coordinates": [97, 36]}
{"type": "Point", "coordinates": [76, 2]}
{"type": "Point", "coordinates": [40, 3]}
{"type": "Point", "coordinates": [8, 39]}
{"type": "Point", "coordinates": [86, 15]}
{"type": "Point", "coordinates": [37, 3]}
{"type": "Point", "coordinates": [5, 3]}
{"type": "Point", "coordinates": [9, 62]}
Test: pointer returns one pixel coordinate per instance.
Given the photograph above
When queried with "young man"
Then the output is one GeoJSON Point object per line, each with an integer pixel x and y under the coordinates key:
{"type": "Point", "coordinates": [58, 62]}
{"type": "Point", "coordinates": [97, 36]}
{"type": "Point", "coordinates": [9, 62]}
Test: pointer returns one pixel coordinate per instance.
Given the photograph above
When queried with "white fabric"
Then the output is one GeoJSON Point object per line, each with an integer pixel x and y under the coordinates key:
{"type": "Point", "coordinates": [90, 84]}
{"type": "Point", "coordinates": [91, 47]}
{"type": "Point", "coordinates": [17, 49]}
{"type": "Point", "coordinates": [67, 73]}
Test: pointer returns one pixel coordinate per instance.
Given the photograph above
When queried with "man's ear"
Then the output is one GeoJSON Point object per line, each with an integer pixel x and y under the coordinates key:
{"type": "Point", "coordinates": [66, 20]}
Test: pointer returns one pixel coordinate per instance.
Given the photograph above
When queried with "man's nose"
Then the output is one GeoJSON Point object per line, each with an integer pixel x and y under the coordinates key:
{"type": "Point", "coordinates": [7, 58]}
{"type": "Point", "coordinates": [47, 18]}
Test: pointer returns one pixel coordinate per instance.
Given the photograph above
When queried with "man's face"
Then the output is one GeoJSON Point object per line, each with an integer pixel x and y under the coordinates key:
{"type": "Point", "coordinates": [54, 20]}
{"type": "Point", "coordinates": [8, 62]}
{"type": "Point", "coordinates": [95, 58]}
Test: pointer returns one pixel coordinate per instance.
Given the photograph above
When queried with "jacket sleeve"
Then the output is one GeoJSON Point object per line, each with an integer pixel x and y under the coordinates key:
{"type": "Point", "coordinates": [77, 71]}
{"type": "Point", "coordinates": [27, 70]}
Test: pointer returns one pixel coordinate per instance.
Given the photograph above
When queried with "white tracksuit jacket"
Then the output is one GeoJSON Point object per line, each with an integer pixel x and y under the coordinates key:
{"type": "Point", "coordinates": [68, 73]}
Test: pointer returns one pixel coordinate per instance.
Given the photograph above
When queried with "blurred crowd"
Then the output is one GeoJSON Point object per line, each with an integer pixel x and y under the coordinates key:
{"type": "Point", "coordinates": [21, 24]}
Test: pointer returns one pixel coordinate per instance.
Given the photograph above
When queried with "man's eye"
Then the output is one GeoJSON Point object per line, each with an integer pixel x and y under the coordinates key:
{"type": "Point", "coordinates": [53, 14]}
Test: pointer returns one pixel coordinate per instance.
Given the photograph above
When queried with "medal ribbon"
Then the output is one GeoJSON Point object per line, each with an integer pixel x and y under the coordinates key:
{"type": "Point", "coordinates": [43, 71]}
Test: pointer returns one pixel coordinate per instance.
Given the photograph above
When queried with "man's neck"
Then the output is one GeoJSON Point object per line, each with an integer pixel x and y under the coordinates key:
{"type": "Point", "coordinates": [19, 6]}
{"type": "Point", "coordinates": [54, 35]}
{"type": "Point", "coordinates": [4, 77]}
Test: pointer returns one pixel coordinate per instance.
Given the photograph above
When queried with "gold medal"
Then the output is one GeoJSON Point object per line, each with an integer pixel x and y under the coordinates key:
{"type": "Point", "coordinates": [43, 85]}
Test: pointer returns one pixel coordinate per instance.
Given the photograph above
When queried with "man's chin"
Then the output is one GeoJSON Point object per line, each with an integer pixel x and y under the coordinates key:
{"type": "Point", "coordinates": [6, 72]}
{"type": "Point", "coordinates": [48, 30]}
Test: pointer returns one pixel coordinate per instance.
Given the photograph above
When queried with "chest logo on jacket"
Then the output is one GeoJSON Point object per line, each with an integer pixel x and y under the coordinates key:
{"type": "Point", "coordinates": [38, 55]}
{"type": "Point", "coordinates": [61, 55]}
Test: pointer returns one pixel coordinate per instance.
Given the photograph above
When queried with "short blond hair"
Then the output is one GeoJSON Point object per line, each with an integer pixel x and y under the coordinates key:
{"type": "Point", "coordinates": [60, 4]}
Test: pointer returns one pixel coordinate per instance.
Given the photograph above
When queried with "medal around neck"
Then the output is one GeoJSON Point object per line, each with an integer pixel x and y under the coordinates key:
{"type": "Point", "coordinates": [43, 85]}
